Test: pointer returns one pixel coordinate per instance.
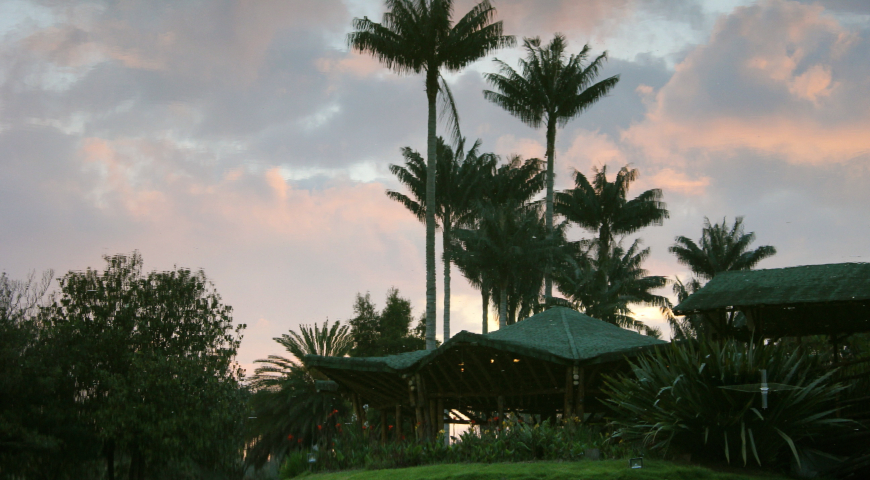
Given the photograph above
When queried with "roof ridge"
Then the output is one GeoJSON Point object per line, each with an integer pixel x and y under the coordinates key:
{"type": "Point", "coordinates": [568, 333]}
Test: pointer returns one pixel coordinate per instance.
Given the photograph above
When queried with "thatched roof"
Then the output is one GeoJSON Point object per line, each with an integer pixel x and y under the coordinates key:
{"type": "Point", "coordinates": [840, 282]}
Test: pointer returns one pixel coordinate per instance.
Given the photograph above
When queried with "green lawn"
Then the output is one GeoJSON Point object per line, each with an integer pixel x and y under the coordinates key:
{"type": "Point", "coordinates": [610, 470]}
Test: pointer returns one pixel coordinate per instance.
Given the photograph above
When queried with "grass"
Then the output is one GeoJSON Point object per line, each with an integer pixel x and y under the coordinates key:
{"type": "Point", "coordinates": [603, 470]}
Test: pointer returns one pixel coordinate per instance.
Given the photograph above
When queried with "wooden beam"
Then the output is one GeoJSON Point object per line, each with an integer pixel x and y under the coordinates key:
{"type": "Point", "coordinates": [383, 426]}
{"type": "Point", "coordinates": [496, 393]}
{"type": "Point", "coordinates": [550, 374]}
{"type": "Point", "coordinates": [534, 374]}
{"type": "Point", "coordinates": [440, 412]}
{"type": "Point", "coordinates": [482, 369]}
{"type": "Point", "coordinates": [568, 411]}
{"type": "Point", "coordinates": [581, 393]}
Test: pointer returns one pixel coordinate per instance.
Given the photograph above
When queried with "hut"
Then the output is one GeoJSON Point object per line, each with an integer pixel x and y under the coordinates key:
{"type": "Point", "coordinates": [547, 364]}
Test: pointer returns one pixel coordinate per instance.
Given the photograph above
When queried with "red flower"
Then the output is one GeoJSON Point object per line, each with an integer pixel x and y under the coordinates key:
{"type": "Point", "coordinates": [391, 427]}
{"type": "Point", "coordinates": [494, 419]}
{"type": "Point", "coordinates": [299, 441]}
{"type": "Point", "coordinates": [320, 427]}
{"type": "Point", "coordinates": [289, 437]}
{"type": "Point", "coordinates": [403, 437]}
{"type": "Point", "coordinates": [338, 426]}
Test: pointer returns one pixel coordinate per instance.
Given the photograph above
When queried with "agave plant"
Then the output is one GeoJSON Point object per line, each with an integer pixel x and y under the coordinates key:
{"type": "Point", "coordinates": [683, 396]}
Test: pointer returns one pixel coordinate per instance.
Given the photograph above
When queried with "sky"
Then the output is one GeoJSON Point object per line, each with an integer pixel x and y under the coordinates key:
{"type": "Point", "coordinates": [245, 139]}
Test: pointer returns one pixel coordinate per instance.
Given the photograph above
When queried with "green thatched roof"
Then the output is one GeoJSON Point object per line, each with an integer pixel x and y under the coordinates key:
{"type": "Point", "coordinates": [809, 284]}
{"type": "Point", "coordinates": [559, 335]}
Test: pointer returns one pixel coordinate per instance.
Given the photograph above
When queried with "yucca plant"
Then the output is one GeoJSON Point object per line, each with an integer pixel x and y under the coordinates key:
{"type": "Point", "coordinates": [675, 399]}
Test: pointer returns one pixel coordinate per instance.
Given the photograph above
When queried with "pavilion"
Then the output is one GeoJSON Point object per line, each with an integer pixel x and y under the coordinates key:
{"type": "Point", "coordinates": [546, 364]}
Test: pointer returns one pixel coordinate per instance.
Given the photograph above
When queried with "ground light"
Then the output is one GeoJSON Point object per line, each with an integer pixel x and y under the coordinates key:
{"type": "Point", "coordinates": [636, 462]}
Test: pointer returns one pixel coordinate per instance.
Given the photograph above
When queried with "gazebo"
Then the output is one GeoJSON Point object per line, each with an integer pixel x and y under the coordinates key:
{"type": "Point", "coordinates": [546, 364]}
{"type": "Point", "coordinates": [829, 299]}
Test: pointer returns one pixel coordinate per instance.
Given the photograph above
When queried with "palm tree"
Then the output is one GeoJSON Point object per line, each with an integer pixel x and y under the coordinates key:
{"type": "Point", "coordinates": [508, 247]}
{"type": "Point", "coordinates": [549, 91]}
{"type": "Point", "coordinates": [514, 182]}
{"type": "Point", "coordinates": [459, 177]}
{"type": "Point", "coordinates": [286, 406]}
{"type": "Point", "coordinates": [602, 207]}
{"type": "Point", "coordinates": [419, 36]}
{"type": "Point", "coordinates": [605, 287]}
{"type": "Point", "coordinates": [722, 248]}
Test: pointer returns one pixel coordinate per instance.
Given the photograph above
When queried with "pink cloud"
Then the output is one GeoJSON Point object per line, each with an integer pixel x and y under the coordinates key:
{"type": "Point", "coordinates": [789, 98]}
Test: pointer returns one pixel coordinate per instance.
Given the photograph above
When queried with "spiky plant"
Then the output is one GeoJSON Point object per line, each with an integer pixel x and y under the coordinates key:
{"type": "Point", "coordinates": [682, 397]}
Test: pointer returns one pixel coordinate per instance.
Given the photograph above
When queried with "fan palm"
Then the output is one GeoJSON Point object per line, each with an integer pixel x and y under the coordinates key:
{"type": "Point", "coordinates": [602, 207]}
{"type": "Point", "coordinates": [458, 183]}
{"type": "Point", "coordinates": [419, 36]}
{"type": "Point", "coordinates": [549, 91]}
{"type": "Point", "coordinates": [286, 406]}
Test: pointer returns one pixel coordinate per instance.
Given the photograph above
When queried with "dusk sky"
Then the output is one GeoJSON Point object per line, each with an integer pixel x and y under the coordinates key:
{"type": "Point", "coordinates": [243, 138]}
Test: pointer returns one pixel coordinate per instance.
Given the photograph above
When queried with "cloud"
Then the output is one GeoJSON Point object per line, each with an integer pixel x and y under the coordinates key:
{"type": "Point", "coordinates": [778, 78]}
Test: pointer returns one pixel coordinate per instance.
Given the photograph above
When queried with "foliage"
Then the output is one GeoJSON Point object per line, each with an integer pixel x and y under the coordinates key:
{"type": "Point", "coordinates": [375, 334]}
{"type": "Point", "coordinates": [498, 441]}
{"type": "Point", "coordinates": [459, 180]}
{"type": "Point", "coordinates": [603, 470]}
{"type": "Point", "coordinates": [603, 207]}
{"type": "Point", "coordinates": [605, 290]}
{"type": "Point", "coordinates": [508, 247]}
{"type": "Point", "coordinates": [549, 91]}
{"type": "Point", "coordinates": [419, 36]}
{"type": "Point", "coordinates": [674, 399]}
{"type": "Point", "coordinates": [151, 356]}
{"type": "Point", "coordinates": [40, 432]}
{"type": "Point", "coordinates": [288, 412]}
{"type": "Point", "coordinates": [720, 249]}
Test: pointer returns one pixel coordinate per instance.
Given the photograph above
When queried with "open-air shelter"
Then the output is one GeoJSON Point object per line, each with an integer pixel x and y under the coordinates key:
{"type": "Point", "coordinates": [546, 364]}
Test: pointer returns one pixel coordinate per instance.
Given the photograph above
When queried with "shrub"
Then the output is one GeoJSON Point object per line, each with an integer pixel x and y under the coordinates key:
{"type": "Point", "coordinates": [674, 399]}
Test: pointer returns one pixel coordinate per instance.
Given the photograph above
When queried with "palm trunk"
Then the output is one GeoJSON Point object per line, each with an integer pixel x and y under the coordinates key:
{"type": "Point", "coordinates": [431, 310]}
{"type": "Point", "coordinates": [502, 307]}
{"type": "Point", "coordinates": [551, 154]}
{"type": "Point", "coordinates": [484, 294]}
{"type": "Point", "coordinates": [446, 237]}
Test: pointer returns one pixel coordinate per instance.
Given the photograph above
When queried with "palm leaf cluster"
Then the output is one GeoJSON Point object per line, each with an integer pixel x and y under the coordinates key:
{"type": "Point", "coordinates": [720, 249]}
{"type": "Point", "coordinates": [680, 400]}
{"type": "Point", "coordinates": [286, 408]}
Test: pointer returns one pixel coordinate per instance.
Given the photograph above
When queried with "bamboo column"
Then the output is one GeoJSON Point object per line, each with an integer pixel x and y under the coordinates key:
{"type": "Point", "coordinates": [569, 393]}
{"type": "Point", "coordinates": [580, 382]}
{"type": "Point", "coordinates": [398, 421]}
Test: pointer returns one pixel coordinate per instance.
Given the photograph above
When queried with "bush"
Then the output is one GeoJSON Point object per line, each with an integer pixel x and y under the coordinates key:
{"type": "Point", "coordinates": [295, 464]}
{"type": "Point", "coordinates": [674, 399]}
{"type": "Point", "coordinates": [505, 441]}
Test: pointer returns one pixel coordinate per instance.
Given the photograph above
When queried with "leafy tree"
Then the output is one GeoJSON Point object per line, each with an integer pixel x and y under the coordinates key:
{"type": "Point", "coordinates": [720, 249]}
{"type": "Point", "coordinates": [286, 406]}
{"type": "Point", "coordinates": [152, 357]}
{"type": "Point", "coordinates": [40, 434]}
{"type": "Point", "coordinates": [375, 334]}
{"type": "Point", "coordinates": [418, 36]}
{"type": "Point", "coordinates": [459, 178]}
{"type": "Point", "coordinates": [549, 91]}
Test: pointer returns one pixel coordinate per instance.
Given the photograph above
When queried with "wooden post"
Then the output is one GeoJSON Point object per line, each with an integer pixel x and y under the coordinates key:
{"type": "Point", "coordinates": [432, 420]}
{"type": "Point", "coordinates": [420, 408]}
{"type": "Point", "coordinates": [568, 412]}
{"type": "Point", "coordinates": [357, 409]}
{"type": "Point", "coordinates": [398, 422]}
{"type": "Point", "coordinates": [500, 408]}
{"type": "Point", "coordinates": [440, 411]}
{"type": "Point", "coordinates": [581, 393]}
{"type": "Point", "coordinates": [383, 425]}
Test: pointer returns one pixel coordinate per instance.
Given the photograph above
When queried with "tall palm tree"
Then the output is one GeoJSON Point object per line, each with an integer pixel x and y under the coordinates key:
{"type": "Point", "coordinates": [549, 91]}
{"type": "Point", "coordinates": [508, 247]}
{"type": "Point", "coordinates": [514, 182]}
{"type": "Point", "coordinates": [458, 183]}
{"type": "Point", "coordinates": [286, 406]}
{"type": "Point", "coordinates": [602, 206]}
{"type": "Point", "coordinates": [605, 287]}
{"type": "Point", "coordinates": [418, 36]}
{"type": "Point", "coordinates": [722, 248]}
